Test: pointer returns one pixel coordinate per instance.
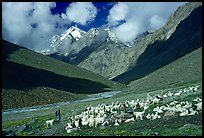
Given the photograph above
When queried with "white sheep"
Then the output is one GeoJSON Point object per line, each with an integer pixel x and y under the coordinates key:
{"type": "Point", "coordinates": [72, 130]}
{"type": "Point", "coordinates": [84, 120]}
{"type": "Point", "coordinates": [178, 93]}
{"type": "Point", "coordinates": [132, 103]}
{"type": "Point", "coordinates": [146, 106]}
{"type": "Point", "coordinates": [69, 126]}
{"type": "Point", "coordinates": [173, 103]}
{"type": "Point", "coordinates": [99, 119]}
{"type": "Point", "coordinates": [155, 116]}
{"type": "Point", "coordinates": [106, 122]}
{"type": "Point", "coordinates": [185, 113]}
{"type": "Point", "coordinates": [50, 122]}
{"type": "Point", "coordinates": [130, 120]}
{"type": "Point", "coordinates": [139, 115]}
{"type": "Point", "coordinates": [157, 109]}
{"type": "Point", "coordinates": [199, 106]}
{"type": "Point", "coordinates": [192, 112]}
{"type": "Point", "coordinates": [91, 121]}
{"type": "Point", "coordinates": [169, 94]}
{"type": "Point", "coordinates": [76, 122]}
{"type": "Point", "coordinates": [156, 100]}
{"type": "Point", "coordinates": [116, 123]}
{"type": "Point", "coordinates": [148, 116]}
{"type": "Point", "coordinates": [196, 88]}
{"type": "Point", "coordinates": [77, 117]}
{"type": "Point", "coordinates": [165, 96]}
{"type": "Point", "coordinates": [197, 99]}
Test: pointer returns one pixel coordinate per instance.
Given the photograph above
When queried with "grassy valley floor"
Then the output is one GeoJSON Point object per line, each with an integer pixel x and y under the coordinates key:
{"type": "Point", "coordinates": [174, 126]}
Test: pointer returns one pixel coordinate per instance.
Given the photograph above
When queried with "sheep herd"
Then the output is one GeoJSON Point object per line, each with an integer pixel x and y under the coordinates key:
{"type": "Point", "coordinates": [130, 111]}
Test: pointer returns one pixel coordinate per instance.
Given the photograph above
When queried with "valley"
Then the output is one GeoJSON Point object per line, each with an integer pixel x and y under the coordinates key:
{"type": "Point", "coordinates": [150, 86]}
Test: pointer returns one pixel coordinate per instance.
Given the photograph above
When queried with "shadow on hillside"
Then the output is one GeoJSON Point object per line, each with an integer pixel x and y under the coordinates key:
{"type": "Point", "coordinates": [186, 38]}
{"type": "Point", "coordinates": [8, 48]}
{"type": "Point", "coordinates": [21, 77]}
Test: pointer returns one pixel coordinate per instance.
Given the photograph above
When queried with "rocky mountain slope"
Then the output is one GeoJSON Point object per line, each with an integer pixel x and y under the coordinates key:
{"type": "Point", "coordinates": [115, 59]}
{"type": "Point", "coordinates": [186, 38]}
{"type": "Point", "coordinates": [99, 51]}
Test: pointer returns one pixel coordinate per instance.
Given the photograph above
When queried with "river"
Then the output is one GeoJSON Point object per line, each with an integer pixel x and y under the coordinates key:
{"type": "Point", "coordinates": [90, 97]}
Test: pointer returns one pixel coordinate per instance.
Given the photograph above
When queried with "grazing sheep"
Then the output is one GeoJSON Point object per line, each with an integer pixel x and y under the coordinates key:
{"type": "Point", "coordinates": [72, 130]}
{"type": "Point", "coordinates": [131, 103]}
{"type": "Point", "coordinates": [159, 97]}
{"type": "Point", "coordinates": [116, 123]}
{"type": "Point", "coordinates": [188, 105]}
{"type": "Point", "coordinates": [178, 93]}
{"type": "Point", "coordinates": [197, 99]}
{"type": "Point", "coordinates": [169, 94]}
{"type": "Point", "coordinates": [78, 116]}
{"type": "Point", "coordinates": [50, 122]}
{"type": "Point", "coordinates": [146, 106]}
{"type": "Point", "coordinates": [155, 116]}
{"type": "Point", "coordinates": [199, 106]}
{"type": "Point", "coordinates": [130, 120]}
{"type": "Point", "coordinates": [139, 115]}
{"type": "Point", "coordinates": [84, 120]}
{"type": "Point", "coordinates": [77, 123]}
{"type": "Point", "coordinates": [165, 96]}
{"type": "Point", "coordinates": [69, 126]}
{"type": "Point", "coordinates": [173, 103]}
{"type": "Point", "coordinates": [157, 109]}
{"type": "Point", "coordinates": [195, 88]}
{"type": "Point", "coordinates": [156, 100]}
{"type": "Point", "coordinates": [99, 119]}
{"type": "Point", "coordinates": [192, 112]}
{"type": "Point", "coordinates": [106, 122]}
{"type": "Point", "coordinates": [184, 113]}
{"type": "Point", "coordinates": [91, 121]}
{"type": "Point", "coordinates": [148, 116]}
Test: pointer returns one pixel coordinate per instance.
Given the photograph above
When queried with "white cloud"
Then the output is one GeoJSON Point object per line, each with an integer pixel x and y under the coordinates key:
{"type": "Point", "coordinates": [117, 13]}
{"type": "Point", "coordinates": [81, 12]}
{"type": "Point", "coordinates": [139, 17]}
{"type": "Point", "coordinates": [18, 19]}
{"type": "Point", "coordinates": [156, 22]}
{"type": "Point", "coordinates": [127, 28]}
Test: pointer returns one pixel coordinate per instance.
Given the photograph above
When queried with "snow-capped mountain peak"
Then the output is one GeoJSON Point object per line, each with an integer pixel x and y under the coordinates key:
{"type": "Point", "coordinates": [73, 33]}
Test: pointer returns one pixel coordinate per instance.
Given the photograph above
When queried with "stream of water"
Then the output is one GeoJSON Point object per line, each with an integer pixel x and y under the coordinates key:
{"type": "Point", "coordinates": [91, 97]}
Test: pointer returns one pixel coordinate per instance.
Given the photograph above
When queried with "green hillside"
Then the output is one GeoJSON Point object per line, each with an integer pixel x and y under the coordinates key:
{"type": "Point", "coordinates": [186, 70]}
{"type": "Point", "coordinates": [31, 78]}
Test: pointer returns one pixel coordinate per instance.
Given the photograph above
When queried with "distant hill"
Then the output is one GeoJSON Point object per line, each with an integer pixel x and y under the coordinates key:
{"type": "Point", "coordinates": [30, 78]}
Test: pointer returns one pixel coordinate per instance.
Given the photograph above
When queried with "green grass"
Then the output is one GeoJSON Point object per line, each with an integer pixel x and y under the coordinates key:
{"type": "Point", "coordinates": [164, 127]}
{"type": "Point", "coordinates": [37, 96]}
{"type": "Point", "coordinates": [146, 128]}
{"type": "Point", "coordinates": [27, 57]}
{"type": "Point", "coordinates": [184, 71]}
{"type": "Point", "coordinates": [31, 78]}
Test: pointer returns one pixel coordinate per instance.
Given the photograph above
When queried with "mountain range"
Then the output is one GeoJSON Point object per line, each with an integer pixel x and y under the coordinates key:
{"type": "Point", "coordinates": [99, 50]}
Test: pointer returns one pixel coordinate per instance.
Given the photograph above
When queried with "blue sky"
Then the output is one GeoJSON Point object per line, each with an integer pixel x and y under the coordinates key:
{"type": "Point", "coordinates": [32, 24]}
{"type": "Point", "coordinates": [103, 11]}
